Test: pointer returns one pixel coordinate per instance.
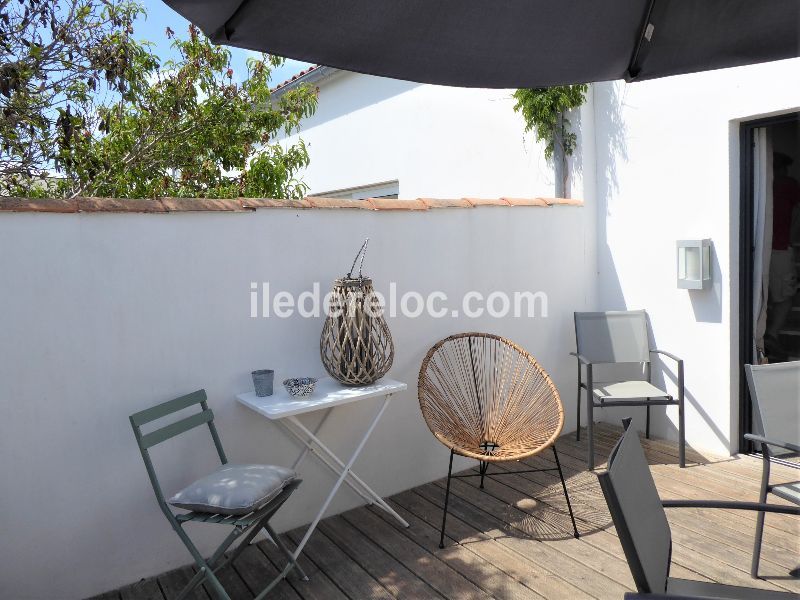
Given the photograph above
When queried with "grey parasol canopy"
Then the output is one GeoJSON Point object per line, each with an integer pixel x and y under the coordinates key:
{"type": "Point", "coordinates": [508, 43]}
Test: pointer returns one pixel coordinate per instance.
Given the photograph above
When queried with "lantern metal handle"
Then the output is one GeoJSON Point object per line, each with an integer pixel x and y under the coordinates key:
{"type": "Point", "coordinates": [362, 253]}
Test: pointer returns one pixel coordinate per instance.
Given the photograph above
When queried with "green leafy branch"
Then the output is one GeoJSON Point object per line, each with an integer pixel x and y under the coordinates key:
{"type": "Point", "coordinates": [544, 112]}
{"type": "Point", "coordinates": [86, 109]}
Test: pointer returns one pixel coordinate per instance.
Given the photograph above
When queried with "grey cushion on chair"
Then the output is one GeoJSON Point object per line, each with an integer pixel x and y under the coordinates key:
{"type": "Point", "coordinates": [234, 489]}
{"type": "Point", "coordinates": [629, 390]}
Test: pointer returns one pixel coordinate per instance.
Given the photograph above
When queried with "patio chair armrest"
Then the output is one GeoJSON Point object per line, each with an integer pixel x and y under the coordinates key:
{"type": "Point", "coordinates": [581, 359]}
{"type": "Point", "coordinates": [668, 355]}
{"type": "Point", "coordinates": [762, 440]}
{"type": "Point", "coordinates": [732, 505]}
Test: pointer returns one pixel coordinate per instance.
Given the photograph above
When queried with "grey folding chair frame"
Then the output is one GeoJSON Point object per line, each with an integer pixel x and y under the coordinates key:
{"type": "Point", "coordinates": [243, 525]}
{"type": "Point", "coordinates": [757, 393]}
{"type": "Point", "coordinates": [593, 402]}
{"type": "Point", "coordinates": [644, 532]}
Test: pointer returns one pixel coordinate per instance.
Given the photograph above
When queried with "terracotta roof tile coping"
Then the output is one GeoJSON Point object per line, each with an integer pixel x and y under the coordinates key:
{"type": "Point", "coordinates": [175, 205]}
{"type": "Point", "coordinates": [487, 201]}
{"type": "Point", "coordinates": [526, 201]}
{"type": "Point", "coordinates": [396, 204]}
{"type": "Point", "coordinates": [317, 202]}
{"type": "Point", "coordinates": [201, 204]}
{"type": "Point", "coordinates": [563, 201]}
{"type": "Point", "coordinates": [144, 205]}
{"type": "Point", "coordinates": [273, 203]}
{"type": "Point", "coordinates": [446, 203]}
{"type": "Point", "coordinates": [54, 205]}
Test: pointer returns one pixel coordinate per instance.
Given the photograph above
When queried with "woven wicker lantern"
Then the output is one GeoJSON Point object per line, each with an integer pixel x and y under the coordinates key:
{"type": "Point", "coordinates": [356, 346]}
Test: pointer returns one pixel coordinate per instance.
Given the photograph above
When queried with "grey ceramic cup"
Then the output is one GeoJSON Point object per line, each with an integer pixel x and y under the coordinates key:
{"type": "Point", "coordinates": [262, 380]}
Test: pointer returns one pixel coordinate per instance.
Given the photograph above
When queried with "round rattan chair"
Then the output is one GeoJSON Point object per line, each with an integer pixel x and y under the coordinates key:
{"type": "Point", "coordinates": [484, 397]}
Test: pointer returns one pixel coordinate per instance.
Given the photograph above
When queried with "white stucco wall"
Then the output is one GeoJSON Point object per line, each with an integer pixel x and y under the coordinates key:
{"type": "Point", "coordinates": [436, 141]}
{"type": "Point", "coordinates": [658, 161]}
{"type": "Point", "coordinates": [103, 315]}
{"type": "Point", "coordinates": [668, 169]}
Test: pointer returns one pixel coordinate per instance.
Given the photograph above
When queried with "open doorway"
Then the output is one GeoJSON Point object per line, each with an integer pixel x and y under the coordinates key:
{"type": "Point", "coordinates": [770, 248]}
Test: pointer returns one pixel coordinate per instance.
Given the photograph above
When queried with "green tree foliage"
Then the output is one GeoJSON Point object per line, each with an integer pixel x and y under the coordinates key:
{"type": "Point", "coordinates": [544, 110]}
{"type": "Point", "coordinates": [85, 109]}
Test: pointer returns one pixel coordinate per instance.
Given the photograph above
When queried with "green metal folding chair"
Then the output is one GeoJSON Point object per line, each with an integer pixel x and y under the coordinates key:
{"type": "Point", "coordinates": [216, 499]}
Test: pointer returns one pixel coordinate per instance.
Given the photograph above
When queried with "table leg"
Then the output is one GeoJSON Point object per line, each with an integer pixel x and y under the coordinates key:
{"type": "Point", "coordinates": [368, 493]}
{"type": "Point", "coordinates": [311, 436]}
{"type": "Point", "coordinates": [308, 440]}
{"type": "Point", "coordinates": [342, 477]}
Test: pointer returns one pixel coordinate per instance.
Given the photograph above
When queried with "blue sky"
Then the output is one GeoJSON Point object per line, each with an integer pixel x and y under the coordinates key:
{"type": "Point", "coordinates": [160, 16]}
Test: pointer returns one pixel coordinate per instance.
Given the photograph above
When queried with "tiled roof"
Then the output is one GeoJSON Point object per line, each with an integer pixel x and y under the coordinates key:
{"type": "Point", "coordinates": [294, 78]}
{"type": "Point", "coordinates": [171, 205]}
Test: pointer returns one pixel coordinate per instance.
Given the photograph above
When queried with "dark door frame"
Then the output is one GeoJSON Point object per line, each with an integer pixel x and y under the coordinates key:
{"type": "Point", "coordinates": [746, 250]}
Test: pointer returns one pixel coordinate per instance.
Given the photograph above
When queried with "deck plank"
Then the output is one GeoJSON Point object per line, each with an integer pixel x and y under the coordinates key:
{"type": "Point", "coordinates": [721, 562]}
{"type": "Point", "coordinates": [464, 558]}
{"type": "Point", "coordinates": [232, 582]}
{"type": "Point", "coordinates": [348, 575]}
{"type": "Point", "coordinates": [512, 540]}
{"type": "Point", "coordinates": [601, 576]}
{"type": "Point", "coordinates": [392, 574]}
{"type": "Point", "coordinates": [257, 571]}
{"type": "Point", "coordinates": [706, 478]}
{"type": "Point", "coordinates": [729, 532]}
{"type": "Point", "coordinates": [146, 589]}
{"type": "Point", "coordinates": [435, 570]}
{"type": "Point", "coordinates": [172, 582]}
{"type": "Point", "coordinates": [520, 542]}
{"type": "Point", "coordinates": [730, 523]}
{"type": "Point", "coordinates": [537, 577]}
{"type": "Point", "coordinates": [685, 481]}
{"type": "Point", "coordinates": [318, 587]}
{"type": "Point", "coordinates": [587, 502]}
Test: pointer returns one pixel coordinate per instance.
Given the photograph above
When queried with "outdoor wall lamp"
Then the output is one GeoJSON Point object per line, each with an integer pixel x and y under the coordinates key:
{"type": "Point", "coordinates": [694, 264]}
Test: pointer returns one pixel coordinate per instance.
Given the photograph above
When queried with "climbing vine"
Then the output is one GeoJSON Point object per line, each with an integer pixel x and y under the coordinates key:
{"type": "Point", "coordinates": [544, 110]}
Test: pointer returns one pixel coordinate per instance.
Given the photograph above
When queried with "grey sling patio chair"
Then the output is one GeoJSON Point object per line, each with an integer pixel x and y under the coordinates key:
{"type": "Point", "coordinates": [775, 392]}
{"type": "Point", "coordinates": [620, 337]}
{"type": "Point", "coordinates": [243, 497]}
{"type": "Point", "coordinates": [641, 523]}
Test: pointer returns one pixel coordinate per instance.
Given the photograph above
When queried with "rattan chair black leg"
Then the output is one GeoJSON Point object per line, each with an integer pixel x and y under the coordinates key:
{"type": "Point", "coordinates": [483, 468]}
{"type": "Point", "coordinates": [566, 493]}
{"type": "Point", "coordinates": [446, 499]}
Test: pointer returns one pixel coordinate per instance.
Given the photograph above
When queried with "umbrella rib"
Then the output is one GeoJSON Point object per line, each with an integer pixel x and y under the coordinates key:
{"type": "Point", "coordinates": [633, 66]}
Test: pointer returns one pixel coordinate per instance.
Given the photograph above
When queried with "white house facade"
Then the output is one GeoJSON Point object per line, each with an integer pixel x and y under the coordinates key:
{"type": "Point", "coordinates": [656, 162]}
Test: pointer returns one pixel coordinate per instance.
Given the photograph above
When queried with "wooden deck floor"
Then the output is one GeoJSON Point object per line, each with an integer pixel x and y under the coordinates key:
{"type": "Point", "coordinates": [513, 539]}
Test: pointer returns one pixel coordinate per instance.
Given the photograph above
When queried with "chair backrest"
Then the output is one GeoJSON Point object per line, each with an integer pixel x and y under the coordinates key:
{"type": "Point", "coordinates": [479, 388]}
{"type": "Point", "coordinates": [162, 434]}
{"type": "Point", "coordinates": [637, 513]}
{"type": "Point", "coordinates": [613, 336]}
{"type": "Point", "coordinates": [775, 391]}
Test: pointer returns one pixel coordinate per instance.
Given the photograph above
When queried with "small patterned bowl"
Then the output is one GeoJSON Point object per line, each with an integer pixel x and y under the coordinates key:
{"type": "Point", "coordinates": [300, 387]}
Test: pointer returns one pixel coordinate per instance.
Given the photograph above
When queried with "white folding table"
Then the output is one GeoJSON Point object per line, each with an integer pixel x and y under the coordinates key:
{"type": "Point", "coordinates": [284, 410]}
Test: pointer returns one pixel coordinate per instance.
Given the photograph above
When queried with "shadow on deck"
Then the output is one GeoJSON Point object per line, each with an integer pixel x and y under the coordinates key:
{"type": "Point", "coordinates": [514, 539]}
